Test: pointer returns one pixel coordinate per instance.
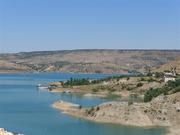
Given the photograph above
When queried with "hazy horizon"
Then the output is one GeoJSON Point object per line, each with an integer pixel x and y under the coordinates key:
{"type": "Point", "coordinates": [29, 51]}
{"type": "Point", "coordinates": [47, 25]}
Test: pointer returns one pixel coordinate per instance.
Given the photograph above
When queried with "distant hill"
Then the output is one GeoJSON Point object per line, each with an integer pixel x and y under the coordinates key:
{"type": "Point", "coordinates": [10, 67]}
{"type": "Point", "coordinates": [87, 61]}
{"type": "Point", "coordinates": [167, 66]}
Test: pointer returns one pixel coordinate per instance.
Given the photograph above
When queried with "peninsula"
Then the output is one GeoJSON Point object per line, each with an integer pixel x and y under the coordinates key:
{"type": "Point", "coordinates": [141, 100]}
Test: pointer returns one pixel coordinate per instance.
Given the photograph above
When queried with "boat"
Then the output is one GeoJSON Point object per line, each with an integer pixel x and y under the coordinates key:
{"type": "Point", "coordinates": [42, 87]}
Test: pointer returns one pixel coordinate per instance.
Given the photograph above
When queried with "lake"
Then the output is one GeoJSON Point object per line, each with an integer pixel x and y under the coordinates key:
{"type": "Point", "coordinates": [24, 109]}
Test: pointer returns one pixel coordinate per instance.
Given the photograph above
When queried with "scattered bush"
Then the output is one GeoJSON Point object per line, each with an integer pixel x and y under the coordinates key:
{"type": "Point", "coordinates": [149, 74]}
{"type": "Point", "coordinates": [151, 79]}
{"type": "Point", "coordinates": [139, 84]}
{"type": "Point", "coordinates": [98, 71]}
{"type": "Point", "coordinates": [97, 108]}
{"type": "Point", "coordinates": [170, 87]}
{"type": "Point", "coordinates": [95, 90]}
{"type": "Point", "coordinates": [129, 88]}
{"type": "Point", "coordinates": [159, 74]}
{"type": "Point", "coordinates": [142, 79]}
{"type": "Point", "coordinates": [130, 103]}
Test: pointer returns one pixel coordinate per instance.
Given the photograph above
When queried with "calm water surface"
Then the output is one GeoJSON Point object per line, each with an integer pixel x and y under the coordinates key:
{"type": "Point", "coordinates": [24, 109]}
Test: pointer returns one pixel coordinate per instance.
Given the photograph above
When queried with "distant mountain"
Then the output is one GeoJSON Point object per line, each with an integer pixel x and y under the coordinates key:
{"type": "Point", "coordinates": [87, 61]}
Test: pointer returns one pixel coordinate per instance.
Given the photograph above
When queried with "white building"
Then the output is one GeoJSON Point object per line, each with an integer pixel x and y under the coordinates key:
{"type": "Point", "coordinates": [169, 77]}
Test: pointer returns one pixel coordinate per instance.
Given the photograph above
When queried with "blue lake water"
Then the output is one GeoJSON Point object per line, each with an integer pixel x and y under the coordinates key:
{"type": "Point", "coordinates": [26, 110]}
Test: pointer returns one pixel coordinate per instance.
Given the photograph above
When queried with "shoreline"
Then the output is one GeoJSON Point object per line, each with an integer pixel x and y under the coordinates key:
{"type": "Point", "coordinates": [65, 108]}
{"type": "Point", "coordinates": [78, 113]}
{"type": "Point", "coordinates": [16, 72]}
{"type": "Point", "coordinates": [121, 113]}
{"type": "Point", "coordinates": [5, 132]}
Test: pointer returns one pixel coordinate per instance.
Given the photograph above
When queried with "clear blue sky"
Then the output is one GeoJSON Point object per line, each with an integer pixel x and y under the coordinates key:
{"type": "Point", "coordinates": [33, 25]}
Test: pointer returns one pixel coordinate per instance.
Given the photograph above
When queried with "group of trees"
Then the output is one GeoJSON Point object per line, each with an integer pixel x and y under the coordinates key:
{"type": "Point", "coordinates": [169, 88]}
{"type": "Point", "coordinates": [86, 81]}
{"type": "Point", "coordinates": [76, 82]}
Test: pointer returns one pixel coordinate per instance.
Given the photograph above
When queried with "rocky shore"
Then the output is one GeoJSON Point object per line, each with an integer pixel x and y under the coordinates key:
{"type": "Point", "coordinates": [162, 111]}
{"type": "Point", "coordinates": [4, 132]}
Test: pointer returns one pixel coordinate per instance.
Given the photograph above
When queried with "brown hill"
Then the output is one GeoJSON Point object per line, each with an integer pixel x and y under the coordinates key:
{"type": "Point", "coordinates": [167, 66]}
{"type": "Point", "coordinates": [6, 67]}
{"type": "Point", "coordinates": [88, 61]}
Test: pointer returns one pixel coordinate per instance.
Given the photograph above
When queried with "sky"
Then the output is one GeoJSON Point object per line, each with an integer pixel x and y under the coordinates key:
{"type": "Point", "coordinates": [44, 25]}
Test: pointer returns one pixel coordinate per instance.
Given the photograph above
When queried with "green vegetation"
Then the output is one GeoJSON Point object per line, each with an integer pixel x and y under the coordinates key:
{"type": "Point", "coordinates": [170, 88]}
{"type": "Point", "coordinates": [159, 74]}
{"type": "Point", "coordinates": [76, 82]}
{"type": "Point", "coordinates": [130, 103]}
{"type": "Point", "coordinates": [95, 89]}
{"type": "Point", "coordinates": [139, 84]}
{"type": "Point", "coordinates": [151, 79]}
{"type": "Point", "coordinates": [86, 81]}
{"type": "Point", "coordinates": [151, 93]}
{"type": "Point", "coordinates": [142, 79]}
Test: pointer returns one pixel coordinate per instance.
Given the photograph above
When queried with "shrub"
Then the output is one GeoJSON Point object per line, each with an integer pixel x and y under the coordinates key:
{"type": "Point", "coordinates": [129, 88]}
{"type": "Point", "coordinates": [130, 103]}
{"type": "Point", "coordinates": [142, 79]}
{"type": "Point", "coordinates": [95, 90]}
{"type": "Point", "coordinates": [159, 74]}
{"type": "Point", "coordinates": [98, 71]}
{"type": "Point", "coordinates": [97, 108]}
{"type": "Point", "coordinates": [149, 74]}
{"type": "Point", "coordinates": [139, 85]}
{"type": "Point", "coordinates": [170, 87]}
{"type": "Point", "coordinates": [151, 93]}
{"type": "Point", "coordinates": [150, 79]}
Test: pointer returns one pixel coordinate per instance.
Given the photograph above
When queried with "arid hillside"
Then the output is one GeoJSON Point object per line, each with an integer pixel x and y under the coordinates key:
{"type": "Point", "coordinates": [167, 66]}
{"type": "Point", "coordinates": [6, 67]}
{"type": "Point", "coordinates": [87, 61]}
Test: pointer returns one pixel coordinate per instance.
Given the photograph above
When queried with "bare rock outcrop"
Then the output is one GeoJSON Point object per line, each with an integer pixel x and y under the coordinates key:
{"type": "Point", "coordinates": [162, 111]}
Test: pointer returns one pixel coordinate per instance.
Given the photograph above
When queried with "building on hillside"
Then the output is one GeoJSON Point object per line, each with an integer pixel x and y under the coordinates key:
{"type": "Point", "coordinates": [170, 76]}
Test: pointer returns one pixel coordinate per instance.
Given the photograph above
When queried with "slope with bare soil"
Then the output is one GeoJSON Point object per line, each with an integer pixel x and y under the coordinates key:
{"type": "Point", "coordinates": [92, 61]}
